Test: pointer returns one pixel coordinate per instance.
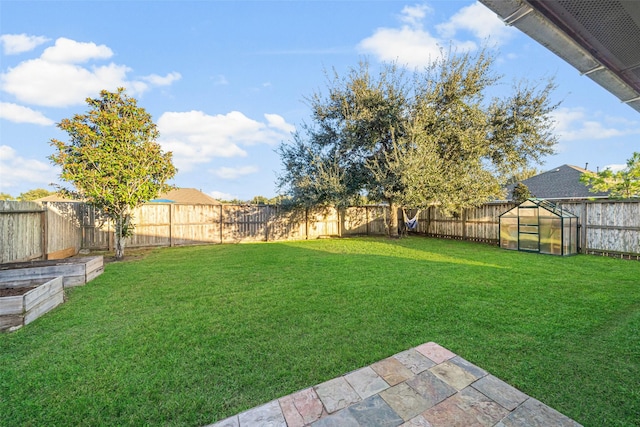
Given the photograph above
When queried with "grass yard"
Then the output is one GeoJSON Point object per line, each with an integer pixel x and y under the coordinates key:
{"type": "Point", "coordinates": [188, 336]}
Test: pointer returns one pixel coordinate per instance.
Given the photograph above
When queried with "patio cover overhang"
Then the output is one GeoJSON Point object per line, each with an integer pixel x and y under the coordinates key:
{"type": "Point", "coordinates": [599, 38]}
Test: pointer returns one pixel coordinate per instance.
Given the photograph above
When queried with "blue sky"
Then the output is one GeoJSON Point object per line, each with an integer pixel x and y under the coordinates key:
{"type": "Point", "coordinates": [225, 81]}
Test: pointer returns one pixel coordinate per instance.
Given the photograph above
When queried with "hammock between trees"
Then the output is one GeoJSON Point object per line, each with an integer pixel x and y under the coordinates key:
{"type": "Point", "coordinates": [411, 224]}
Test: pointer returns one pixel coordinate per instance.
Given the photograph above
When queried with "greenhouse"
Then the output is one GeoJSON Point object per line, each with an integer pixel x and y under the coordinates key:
{"type": "Point", "coordinates": [539, 226]}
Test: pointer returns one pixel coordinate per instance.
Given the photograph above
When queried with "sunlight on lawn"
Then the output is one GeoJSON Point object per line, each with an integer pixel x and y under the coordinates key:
{"type": "Point", "coordinates": [377, 247]}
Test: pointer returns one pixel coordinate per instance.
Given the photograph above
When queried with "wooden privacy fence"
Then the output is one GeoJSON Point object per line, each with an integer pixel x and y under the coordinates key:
{"type": "Point", "coordinates": [170, 224]}
{"type": "Point", "coordinates": [31, 230]}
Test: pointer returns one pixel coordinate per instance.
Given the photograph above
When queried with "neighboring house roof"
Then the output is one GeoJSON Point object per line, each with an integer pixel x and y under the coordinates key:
{"type": "Point", "coordinates": [55, 198]}
{"type": "Point", "coordinates": [189, 196]}
{"type": "Point", "coordinates": [562, 182]}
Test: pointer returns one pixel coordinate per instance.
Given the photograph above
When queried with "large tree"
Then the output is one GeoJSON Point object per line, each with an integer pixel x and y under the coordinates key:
{"type": "Point", "coordinates": [430, 137]}
{"type": "Point", "coordinates": [623, 184]}
{"type": "Point", "coordinates": [113, 160]}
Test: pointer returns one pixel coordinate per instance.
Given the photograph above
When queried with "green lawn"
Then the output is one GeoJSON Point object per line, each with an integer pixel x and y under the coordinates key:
{"type": "Point", "coordinates": [188, 336]}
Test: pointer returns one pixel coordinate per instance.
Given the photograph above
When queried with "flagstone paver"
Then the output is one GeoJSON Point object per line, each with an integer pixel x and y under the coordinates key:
{"type": "Point", "coordinates": [435, 352]}
{"type": "Point", "coordinates": [426, 386]}
{"type": "Point", "coordinates": [366, 382]}
{"type": "Point", "coordinates": [339, 419]}
{"type": "Point", "coordinates": [432, 388]}
{"type": "Point", "coordinates": [533, 413]}
{"type": "Point", "coordinates": [469, 408]}
{"type": "Point", "coordinates": [392, 371]}
{"type": "Point", "coordinates": [336, 394]}
{"type": "Point", "coordinates": [453, 375]}
{"type": "Point", "coordinates": [496, 389]}
{"type": "Point", "coordinates": [469, 367]}
{"type": "Point", "coordinates": [269, 415]}
{"type": "Point", "coordinates": [229, 422]}
{"type": "Point", "coordinates": [419, 421]}
{"type": "Point", "coordinates": [374, 411]}
{"type": "Point", "coordinates": [414, 360]}
{"type": "Point", "coordinates": [405, 401]}
{"type": "Point", "coordinates": [301, 408]}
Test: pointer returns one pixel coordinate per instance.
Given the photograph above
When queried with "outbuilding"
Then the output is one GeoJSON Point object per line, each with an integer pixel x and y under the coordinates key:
{"type": "Point", "coordinates": [540, 226]}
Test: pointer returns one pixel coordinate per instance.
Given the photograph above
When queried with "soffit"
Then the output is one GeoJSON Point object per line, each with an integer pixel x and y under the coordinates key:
{"type": "Point", "coordinates": [600, 38]}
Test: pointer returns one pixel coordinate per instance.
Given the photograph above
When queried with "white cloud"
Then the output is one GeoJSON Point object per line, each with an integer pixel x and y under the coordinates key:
{"type": "Point", "coordinates": [157, 80]}
{"type": "Point", "coordinates": [220, 195]}
{"type": "Point", "coordinates": [479, 21]}
{"type": "Point", "coordinates": [575, 124]}
{"type": "Point", "coordinates": [197, 137]}
{"type": "Point", "coordinates": [277, 122]}
{"type": "Point", "coordinates": [17, 43]}
{"type": "Point", "coordinates": [408, 46]}
{"type": "Point", "coordinates": [415, 46]}
{"type": "Point", "coordinates": [56, 79]}
{"type": "Point", "coordinates": [233, 173]}
{"type": "Point", "coordinates": [69, 51]}
{"type": "Point", "coordinates": [414, 15]}
{"type": "Point", "coordinates": [19, 114]}
{"type": "Point", "coordinates": [17, 170]}
{"type": "Point", "coordinates": [53, 84]}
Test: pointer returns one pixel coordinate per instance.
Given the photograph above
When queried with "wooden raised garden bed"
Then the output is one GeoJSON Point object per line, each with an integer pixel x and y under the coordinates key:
{"type": "Point", "coordinates": [22, 304]}
{"type": "Point", "coordinates": [75, 271]}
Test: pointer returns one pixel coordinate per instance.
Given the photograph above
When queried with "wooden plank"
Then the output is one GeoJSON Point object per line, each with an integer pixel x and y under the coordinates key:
{"type": "Point", "coordinates": [44, 272]}
{"type": "Point", "coordinates": [11, 305]}
{"type": "Point", "coordinates": [44, 307]}
{"type": "Point", "coordinates": [43, 292]}
{"type": "Point", "coordinates": [11, 322]}
{"type": "Point", "coordinates": [63, 253]}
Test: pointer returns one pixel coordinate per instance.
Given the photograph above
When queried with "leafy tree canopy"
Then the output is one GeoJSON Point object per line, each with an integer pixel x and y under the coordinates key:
{"type": "Point", "coordinates": [623, 184]}
{"type": "Point", "coordinates": [520, 193]}
{"type": "Point", "coordinates": [416, 138]}
{"type": "Point", "coordinates": [112, 159]}
{"type": "Point", "coordinates": [6, 196]}
{"type": "Point", "coordinates": [34, 194]}
{"type": "Point", "coordinates": [522, 174]}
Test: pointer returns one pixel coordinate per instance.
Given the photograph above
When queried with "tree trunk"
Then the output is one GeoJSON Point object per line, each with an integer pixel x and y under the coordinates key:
{"type": "Point", "coordinates": [121, 232]}
{"type": "Point", "coordinates": [393, 220]}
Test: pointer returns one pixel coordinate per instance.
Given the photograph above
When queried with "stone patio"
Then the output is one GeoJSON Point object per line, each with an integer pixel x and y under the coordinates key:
{"type": "Point", "coordinates": [426, 386]}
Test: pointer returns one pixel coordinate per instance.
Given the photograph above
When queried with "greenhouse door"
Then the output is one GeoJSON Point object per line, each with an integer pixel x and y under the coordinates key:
{"type": "Point", "coordinates": [528, 229]}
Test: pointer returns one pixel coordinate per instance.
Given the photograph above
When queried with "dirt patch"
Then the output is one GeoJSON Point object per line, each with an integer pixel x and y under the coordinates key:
{"type": "Point", "coordinates": [14, 292]}
{"type": "Point", "coordinates": [129, 254]}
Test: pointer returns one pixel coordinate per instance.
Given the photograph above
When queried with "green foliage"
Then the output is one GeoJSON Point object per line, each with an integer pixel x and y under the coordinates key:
{"type": "Point", "coordinates": [521, 174]}
{"type": "Point", "coordinates": [112, 159]}
{"type": "Point", "coordinates": [6, 196]}
{"type": "Point", "coordinates": [416, 139]}
{"type": "Point", "coordinates": [520, 193]}
{"type": "Point", "coordinates": [34, 194]}
{"type": "Point", "coordinates": [259, 200]}
{"type": "Point", "coordinates": [624, 184]}
{"type": "Point", "coordinates": [188, 336]}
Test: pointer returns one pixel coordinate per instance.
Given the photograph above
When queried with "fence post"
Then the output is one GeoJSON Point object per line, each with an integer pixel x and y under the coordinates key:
{"type": "Point", "coordinates": [464, 224]}
{"type": "Point", "coordinates": [266, 219]}
{"type": "Point", "coordinates": [171, 214]}
{"type": "Point", "coordinates": [583, 227]}
{"type": "Point", "coordinates": [44, 230]}
{"type": "Point", "coordinates": [221, 232]}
